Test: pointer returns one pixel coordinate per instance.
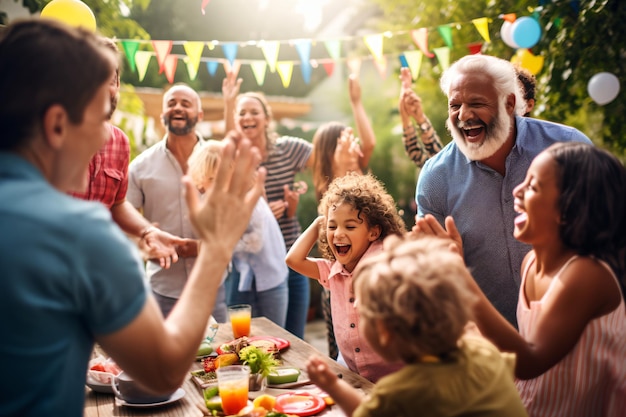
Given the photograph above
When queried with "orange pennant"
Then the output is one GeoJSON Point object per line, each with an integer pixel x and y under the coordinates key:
{"type": "Point", "coordinates": [171, 61]}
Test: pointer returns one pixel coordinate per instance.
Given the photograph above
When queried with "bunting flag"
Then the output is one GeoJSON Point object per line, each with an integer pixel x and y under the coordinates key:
{"type": "Point", "coordinates": [420, 37]}
{"type": "Point", "coordinates": [234, 67]}
{"type": "Point", "coordinates": [443, 56]}
{"type": "Point", "coordinates": [354, 65]}
{"type": "Point", "coordinates": [203, 6]}
{"type": "Point", "coordinates": [230, 51]}
{"type": "Point", "coordinates": [270, 52]}
{"type": "Point", "coordinates": [475, 48]}
{"type": "Point", "coordinates": [334, 49]}
{"type": "Point", "coordinates": [210, 45]}
{"type": "Point", "coordinates": [403, 61]}
{"type": "Point", "coordinates": [381, 66]}
{"type": "Point", "coordinates": [414, 61]}
{"type": "Point", "coordinates": [162, 49]}
{"type": "Point", "coordinates": [142, 59]}
{"type": "Point", "coordinates": [482, 26]}
{"type": "Point", "coordinates": [304, 52]}
{"type": "Point", "coordinates": [194, 53]}
{"type": "Point", "coordinates": [446, 33]}
{"type": "Point", "coordinates": [329, 67]}
{"type": "Point", "coordinates": [171, 61]}
{"type": "Point", "coordinates": [211, 66]}
{"type": "Point", "coordinates": [130, 49]}
{"type": "Point", "coordinates": [285, 69]}
{"type": "Point", "coordinates": [375, 45]}
{"type": "Point", "coordinates": [259, 70]}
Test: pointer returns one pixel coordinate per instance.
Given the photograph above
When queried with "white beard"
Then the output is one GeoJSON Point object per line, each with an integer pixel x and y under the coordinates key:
{"type": "Point", "coordinates": [496, 134]}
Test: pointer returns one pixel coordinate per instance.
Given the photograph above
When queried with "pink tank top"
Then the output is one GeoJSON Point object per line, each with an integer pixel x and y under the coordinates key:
{"type": "Point", "coordinates": [590, 381]}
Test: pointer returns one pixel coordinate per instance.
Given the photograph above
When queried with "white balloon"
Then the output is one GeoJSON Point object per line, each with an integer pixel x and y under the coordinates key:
{"type": "Point", "coordinates": [603, 87]}
{"type": "Point", "coordinates": [506, 34]}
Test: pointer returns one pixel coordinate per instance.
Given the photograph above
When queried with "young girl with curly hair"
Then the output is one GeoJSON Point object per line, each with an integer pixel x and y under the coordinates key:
{"type": "Point", "coordinates": [414, 306]}
{"type": "Point", "coordinates": [357, 214]}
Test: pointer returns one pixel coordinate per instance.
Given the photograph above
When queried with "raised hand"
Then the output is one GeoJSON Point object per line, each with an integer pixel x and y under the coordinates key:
{"type": "Point", "coordinates": [347, 153]}
{"type": "Point", "coordinates": [354, 88]}
{"type": "Point", "coordinates": [231, 86]}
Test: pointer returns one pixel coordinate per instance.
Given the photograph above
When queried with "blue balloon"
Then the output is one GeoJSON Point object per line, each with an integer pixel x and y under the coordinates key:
{"type": "Point", "coordinates": [526, 32]}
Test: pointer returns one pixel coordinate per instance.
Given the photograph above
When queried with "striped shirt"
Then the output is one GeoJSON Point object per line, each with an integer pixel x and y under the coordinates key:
{"type": "Point", "coordinates": [289, 156]}
{"type": "Point", "coordinates": [590, 381]}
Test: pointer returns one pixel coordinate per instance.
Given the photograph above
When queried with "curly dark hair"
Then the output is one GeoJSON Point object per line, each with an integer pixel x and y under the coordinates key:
{"type": "Point", "coordinates": [368, 196]}
{"type": "Point", "coordinates": [592, 202]}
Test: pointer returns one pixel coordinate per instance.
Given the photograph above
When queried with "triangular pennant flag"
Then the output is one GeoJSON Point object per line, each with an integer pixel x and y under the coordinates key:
{"type": "Point", "coordinates": [509, 17]}
{"type": "Point", "coordinates": [142, 59]}
{"type": "Point", "coordinates": [443, 56]}
{"type": "Point", "coordinates": [162, 49]}
{"type": "Point", "coordinates": [414, 61]}
{"type": "Point", "coordinates": [211, 66]}
{"type": "Point", "coordinates": [482, 26]}
{"type": "Point", "coordinates": [475, 48]}
{"type": "Point", "coordinates": [230, 51]}
{"type": "Point", "coordinates": [194, 53]}
{"type": "Point", "coordinates": [375, 45]}
{"type": "Point", "coordinates": [210, 45]}
{"type": "Point", "coordinates": [381, 66]}
{"type": "Point", "coordinates": [303, 47]}
{"type": "Point", "coordinates": [130, 49]}
{"type": "Point", "coordinates": [403, 62]}
{"type": "Point", "coordinates": [329, 67]}
{"type": "Point", "coordinates": [171, 61]}
{"type": "Point", "coordinates": [420, 37]}
{"type": "Point", "coordinates": [285, 69]}
{"type": "Point", "coordinates": [234, 67]}
{"type": "Point", "coordinates": [270, 52]}
{"type": "Point", "coordinates": [259, 69]}
{"type": "Point", "coordinates": [354, 65]}
{"type": "Point", "coordinates": [203, 6]}
{"type": "Point", "coordinates": [446, 33]}
{"type": "Point", "coordinates": [334, 48]}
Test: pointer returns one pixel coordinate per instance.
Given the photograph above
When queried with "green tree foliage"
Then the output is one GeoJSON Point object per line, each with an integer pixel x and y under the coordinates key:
{"type": "Point", "coordinates": [579, 39]}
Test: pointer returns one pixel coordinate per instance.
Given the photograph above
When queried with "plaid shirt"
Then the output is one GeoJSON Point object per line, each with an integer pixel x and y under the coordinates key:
{"type": "Point", "coordinates": [108, 171]}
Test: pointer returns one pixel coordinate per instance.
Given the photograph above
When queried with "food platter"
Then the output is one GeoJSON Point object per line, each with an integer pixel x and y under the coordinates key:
{"type": "Point", "coordinates": [97, 386]}
{"type": "Point", "coordinates": [260, 342]}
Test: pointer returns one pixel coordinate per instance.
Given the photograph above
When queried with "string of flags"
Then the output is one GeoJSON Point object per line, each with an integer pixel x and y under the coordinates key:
{"type": "Point", "coordinates": [167, 61]}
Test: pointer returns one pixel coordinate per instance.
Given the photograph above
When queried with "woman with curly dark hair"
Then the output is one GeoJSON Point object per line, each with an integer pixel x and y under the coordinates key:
{"type": "Point", "coordinates": [357, 214]}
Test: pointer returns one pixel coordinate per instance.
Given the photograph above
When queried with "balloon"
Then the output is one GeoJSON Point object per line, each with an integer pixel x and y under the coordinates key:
{"type": "Point", "coordinates": [71, 12]}
{"type": "Point", "coordinates": [526, 32]}
{"type": "Point", "coordinates": [505, 34]}
{"type": "Point", "coordinates": [525, 59]}
{"type": "Point", "coordinates": [603, 87]}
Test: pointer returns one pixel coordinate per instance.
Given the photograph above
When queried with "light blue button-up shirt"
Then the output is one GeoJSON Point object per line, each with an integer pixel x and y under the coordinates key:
{"type": "Point", "coordinates": [481, 202]}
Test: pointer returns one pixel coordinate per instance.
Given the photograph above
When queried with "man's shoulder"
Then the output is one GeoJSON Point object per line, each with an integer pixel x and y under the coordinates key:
{"type": "Point", "coordinates": [450, 156]}
{"type": "Point", "coordinates": [537, 131]}
{"type": "Point", "coordinates": [147, 157]}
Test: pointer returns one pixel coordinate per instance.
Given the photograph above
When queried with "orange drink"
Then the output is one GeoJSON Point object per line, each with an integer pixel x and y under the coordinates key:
{"type": "Point", "coordinates": [232, 382]}
{"type": "Point", "coordinates": [240, 316]}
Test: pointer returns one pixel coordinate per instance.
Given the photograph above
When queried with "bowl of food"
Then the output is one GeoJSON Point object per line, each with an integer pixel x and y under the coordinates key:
{"type": "Point", "coordinates": [103, 370]}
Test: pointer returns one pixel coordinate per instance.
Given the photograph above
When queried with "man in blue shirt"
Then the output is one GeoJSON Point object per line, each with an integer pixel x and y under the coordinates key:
{"type": "Point", "coordinates": [473, 177]}
{"type": "Point", "coordinates": [69, 276]}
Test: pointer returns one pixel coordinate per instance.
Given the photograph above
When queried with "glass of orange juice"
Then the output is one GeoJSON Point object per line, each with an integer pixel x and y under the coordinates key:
{"type": "Point", "coordinates": [232, 382]}
{"type": "Point", "coordinates": [240, 316]}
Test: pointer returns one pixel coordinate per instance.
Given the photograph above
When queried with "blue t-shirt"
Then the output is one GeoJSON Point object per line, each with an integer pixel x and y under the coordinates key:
{"type": "Point", "coordinates": [481, 202]}
{"type": "Point", "coordinates": [67, 274]}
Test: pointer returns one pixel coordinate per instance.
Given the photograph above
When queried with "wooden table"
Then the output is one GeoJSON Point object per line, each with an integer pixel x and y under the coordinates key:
{"type": "Point", "coordinates": [192, 405]}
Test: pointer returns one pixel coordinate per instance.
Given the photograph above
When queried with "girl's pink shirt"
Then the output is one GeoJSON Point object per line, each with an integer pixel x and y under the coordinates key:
{"type": "Point", "coordinates": [357, 353]}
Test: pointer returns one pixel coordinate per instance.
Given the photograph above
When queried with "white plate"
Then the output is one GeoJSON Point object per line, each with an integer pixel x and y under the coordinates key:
{"type": "Point", "coordinates": [98, 386]}
{"type": "Point", "coordinates": [177, 395]}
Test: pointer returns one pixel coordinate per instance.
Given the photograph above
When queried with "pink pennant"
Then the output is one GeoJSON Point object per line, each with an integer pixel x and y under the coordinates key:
{"type": "Point", "coordinates": [162, 49]}
{"type": "Point", "coordinates": [204, 4]}
{"type": "Point", "coordinates": [420, 37]}
{"type": "Point", "coordinates": [170, 64]}
{"type": "Point", "coordinates": [329, 67]}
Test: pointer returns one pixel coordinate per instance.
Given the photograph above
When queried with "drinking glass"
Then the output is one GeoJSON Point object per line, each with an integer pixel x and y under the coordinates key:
{"type": "Point", "coordinates": [240, 316]}
{"type": "Point", "coordinates": [232, 382]}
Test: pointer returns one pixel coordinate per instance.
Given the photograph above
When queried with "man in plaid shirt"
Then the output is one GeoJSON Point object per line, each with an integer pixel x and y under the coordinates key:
{"type": "Point", "coordinates": [108, 183]}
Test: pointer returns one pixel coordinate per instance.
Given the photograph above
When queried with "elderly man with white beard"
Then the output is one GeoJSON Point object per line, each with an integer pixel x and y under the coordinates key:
{"type": "Point", "coordinates": [472, 179]}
